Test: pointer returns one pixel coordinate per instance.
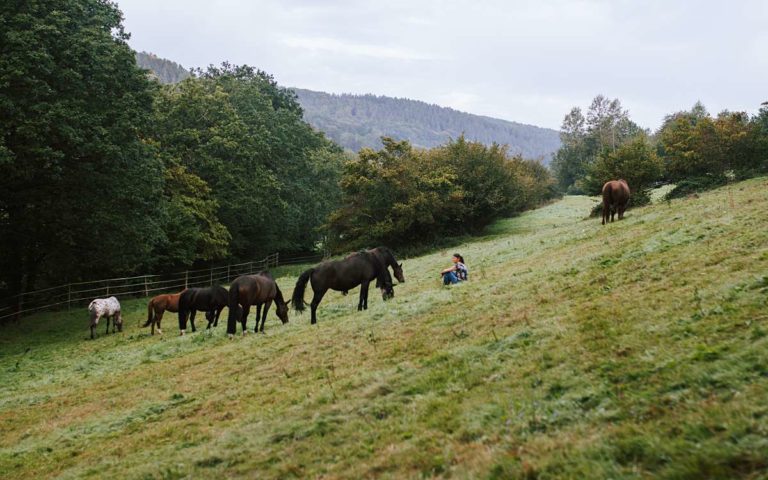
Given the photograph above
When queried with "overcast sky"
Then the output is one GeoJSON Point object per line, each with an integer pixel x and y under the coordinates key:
{"type": "Point", "coordinates": [527, 61]}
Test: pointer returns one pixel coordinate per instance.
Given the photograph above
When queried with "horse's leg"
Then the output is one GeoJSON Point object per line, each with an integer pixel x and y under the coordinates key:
{"type": "Point", "coordinates": [264, 315]}
{"type": "Point", "coordinates": [218, 314]}
{"type": "Point", "coordinates": [622, 208]}
{"type": "Point", "coordinates": [363, 305]}
{"type": "Point", "coordinates": [107, 322]}
{"type": "Point", "coordinates": [158, 319]}
{"type": "Point", "coordinates": [244, 318]}
{"type": "Point", "coordinates": [258, 318]}
{"type": "Point", "coordinates": [192, 319]}
{"type": "Point", "coordinates": [316, 299]}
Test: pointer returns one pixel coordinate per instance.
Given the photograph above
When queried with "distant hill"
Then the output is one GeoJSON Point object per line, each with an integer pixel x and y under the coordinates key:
{"type": "Point", "coordinates": [165, 70]}
{"type": "Point", "coordinates": [356, 121]}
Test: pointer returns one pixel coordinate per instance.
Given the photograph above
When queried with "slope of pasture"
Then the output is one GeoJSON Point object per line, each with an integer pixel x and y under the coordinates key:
{"type": "Point", "coordinates": [633, 350]}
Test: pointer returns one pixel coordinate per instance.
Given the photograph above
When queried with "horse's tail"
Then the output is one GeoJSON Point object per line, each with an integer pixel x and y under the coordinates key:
{"type": "Point", "coordinates": [298, 291]}
{"type": "Point", "coordinates": [233, 305]}
{"type": "Point", "coordinates": [150, 312]}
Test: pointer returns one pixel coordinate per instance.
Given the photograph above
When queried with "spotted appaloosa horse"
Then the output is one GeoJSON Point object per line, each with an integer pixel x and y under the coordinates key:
{"type": "Point", "coordinates": [615, 199]}
{"type": "Point", "coordinates": [107, 308]}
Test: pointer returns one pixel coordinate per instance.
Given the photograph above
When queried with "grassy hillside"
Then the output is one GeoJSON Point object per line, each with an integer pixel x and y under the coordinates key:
{"type": "Point", "coordinates": [356, 121]}
{"type": "Point", "coordinates": [633, 350]}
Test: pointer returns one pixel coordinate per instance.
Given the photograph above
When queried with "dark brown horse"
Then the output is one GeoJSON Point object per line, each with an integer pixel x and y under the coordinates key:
{"type": "Point", "coordinates": [342, 276]}
{"type": "Point", "coordinates": [388, 258]}
{"type": "Point", "coordinates": [211, 300]}
{"type": "Point", "coordinates": [247, 290]}
{"type": "Point", "coordinates": [167, 302]}
{"type": "Point", "coordinates": [615, 199]}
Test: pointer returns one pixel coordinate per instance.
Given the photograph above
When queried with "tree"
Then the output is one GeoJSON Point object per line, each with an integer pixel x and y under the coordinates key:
{"type": "Point", "coordinates": [605, 128]}
{"type": "Point", "coordinates": [635, 161]}
{"type": "Point", "coordinates": [79, 189]}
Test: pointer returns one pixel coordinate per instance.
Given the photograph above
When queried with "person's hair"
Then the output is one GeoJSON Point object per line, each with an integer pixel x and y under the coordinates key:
{"type": "Point", "coordinates": [458, 255]}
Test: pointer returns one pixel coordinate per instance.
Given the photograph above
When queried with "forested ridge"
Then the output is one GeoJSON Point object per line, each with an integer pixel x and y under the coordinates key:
{"type": "Point", "coordinates": [357, 121]}
{"type": "Point", "coordinates": [166, 71]}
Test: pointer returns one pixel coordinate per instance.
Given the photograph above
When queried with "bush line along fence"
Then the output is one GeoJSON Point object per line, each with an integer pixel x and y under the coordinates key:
{"type": "Point", "coordinates": [80, 294]}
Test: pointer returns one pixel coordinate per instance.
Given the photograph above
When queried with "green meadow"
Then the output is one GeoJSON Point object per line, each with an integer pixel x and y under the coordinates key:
{"type": "Point", "coordinates": [634, 350]}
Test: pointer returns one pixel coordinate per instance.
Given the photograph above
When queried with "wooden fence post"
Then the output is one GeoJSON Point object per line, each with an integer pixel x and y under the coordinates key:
{"type": "Point", "coordinates": [146, 287]}
{"type": "Point", "coordinates": [229, 279]}
{"type": "Point", "coordinates": [186, 279]}
{"type": "Point", "coordinates": [69, 296]}
{"type": "Point", "coordinates": [211, 274]}
{"type": "Point", "coordinates": [107, 290]}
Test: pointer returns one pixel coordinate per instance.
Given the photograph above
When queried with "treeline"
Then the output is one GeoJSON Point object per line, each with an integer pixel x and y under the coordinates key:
{"type": "Point", "coordinates": [105, 172]}
{"type": "Point", "coordinates": [359, 121]}
{"type": "Point", "coordinates": [166, 71]}
{"type": "Point", "coordinates": [404, 196]}
{"type": "Point", "coordinates": [691, 148]}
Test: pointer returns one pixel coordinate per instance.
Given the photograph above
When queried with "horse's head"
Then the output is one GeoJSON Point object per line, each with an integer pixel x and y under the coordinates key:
{"type": "Point", "coordinates": [398, 269]}
{"type": "Point", "coordinates": [387, 291]}
{"type": "Point", "coordinates": [282, 311]}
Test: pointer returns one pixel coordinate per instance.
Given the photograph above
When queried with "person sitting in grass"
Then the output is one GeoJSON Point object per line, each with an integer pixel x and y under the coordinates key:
{"type": "Point", "coordinates": [456, 273]}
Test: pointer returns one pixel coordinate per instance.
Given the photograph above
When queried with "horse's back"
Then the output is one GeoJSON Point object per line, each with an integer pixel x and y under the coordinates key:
{"type": "Point", "coordinates": [616, 192]}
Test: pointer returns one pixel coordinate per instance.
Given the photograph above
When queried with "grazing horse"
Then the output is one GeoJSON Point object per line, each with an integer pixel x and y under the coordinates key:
{"type": "Point", "coordinates": [344, 275]}
{"type": "Point", "coordinates": [385, 255]}
{"type": "Point", "coordinates": [167, 302]}
{"type": "Point", "coordinates": [615, 199]}
{"type": "Point", "coordinates": [211, 300]}
{"type": "Point", "coordinates": [247, 290]}
{"type": "Point", "coordinates": [107, 308]}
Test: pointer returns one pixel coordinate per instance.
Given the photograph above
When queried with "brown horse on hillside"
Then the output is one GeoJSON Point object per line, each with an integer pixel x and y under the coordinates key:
{"type": "Point", "coordinates": [615, 199]}
{"type": "Point", "coordinates": [167, 302]}
{"type": "Point", "coordinates": [260, 290]}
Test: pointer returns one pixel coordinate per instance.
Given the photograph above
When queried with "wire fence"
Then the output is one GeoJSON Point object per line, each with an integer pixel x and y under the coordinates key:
{"type": "Point", "coordinates": [79, 294]}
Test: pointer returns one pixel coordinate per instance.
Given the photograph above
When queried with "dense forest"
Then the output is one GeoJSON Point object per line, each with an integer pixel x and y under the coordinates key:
{"type": "Point", "coordinates": [109, 169]}
{"type": "Point", "coordinates": [692, 148]}
{"type": "Point", "coordinates": [357, 121]}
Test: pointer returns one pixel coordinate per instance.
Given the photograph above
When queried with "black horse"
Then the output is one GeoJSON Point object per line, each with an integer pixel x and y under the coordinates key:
{"type": "Point", "coordinates": [211, 300]}
{"type": "Point", "coordinates": [385, 255]}
{"type": "Point", "coordinates": [344, 275]}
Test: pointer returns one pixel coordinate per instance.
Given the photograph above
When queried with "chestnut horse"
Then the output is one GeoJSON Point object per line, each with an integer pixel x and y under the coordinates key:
{"type": "Point", "coordinates": [260, 289]}
{"type": "Point", "coordinates": [615, 199]}
{"type": "Point", "coordinates": [167, 302]}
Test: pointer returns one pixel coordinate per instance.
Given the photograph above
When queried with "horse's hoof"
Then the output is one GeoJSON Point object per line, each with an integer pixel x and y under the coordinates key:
{"type": "Point", "coordinates": [159, 332]}
{"type": "Point", "coordinates": [181, 333]}
{"type": "Point", "coordinates": [245, 333]}
{"type": "Point", "coordinates": [230, 336]}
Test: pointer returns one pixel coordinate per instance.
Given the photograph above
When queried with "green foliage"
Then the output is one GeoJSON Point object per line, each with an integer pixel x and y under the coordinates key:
{"type": "Point", "coordinates": [405, 196]}
{"type": "Point", "coordinates": [79, 189]}
{"type": "Point", "coordinates": [105, 172]}
{"type": "Point", "coordinates": [635, 161]}
{"type": "Point", "coordinates": [604, 130]}
{"type": "Point", "coordinates": [698, 146]}
{"type": "Point", "coordinates": [273, 177]}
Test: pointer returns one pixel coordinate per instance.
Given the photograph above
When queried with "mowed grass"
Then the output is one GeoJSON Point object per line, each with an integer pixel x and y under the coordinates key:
{"type": "Point", "coordinates": [634, 350]}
